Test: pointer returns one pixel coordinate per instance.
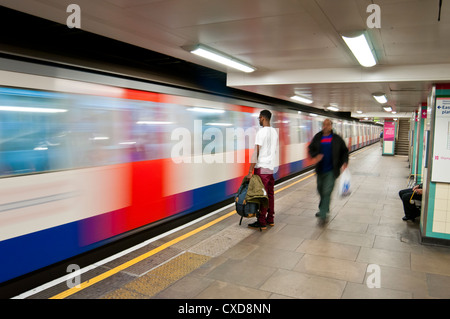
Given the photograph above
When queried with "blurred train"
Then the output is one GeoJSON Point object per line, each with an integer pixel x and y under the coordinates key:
{"type": "Point", "coordinates": [85, 158]}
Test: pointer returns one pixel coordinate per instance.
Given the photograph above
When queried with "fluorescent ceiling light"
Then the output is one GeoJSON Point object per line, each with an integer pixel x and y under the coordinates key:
{"type": "Point", "coordinates": [381, 98]}
{"type": "Point", "coordinates": [361, 50]}
{"type": "Point", "coordinates": [219, 124]}
{"type": "Point", "coordinates": [99, 138]}
{"type": "Point", "coordinates": [153, 123]}
{"type": "Point", "coordinates": [359, 112]}
{"type": "Point", "coordinates": [333, 108]}
{"type": "Point", "coordinates": [222, 58]}
{"type": "Point", "coordinates": [31, 109]}
{"type": "Point", "coordinates": [205, 110]}
{"type": "Point", "coordinates": [312, 114]}
{"type": "Point", "coordinates": [388, 109]}
{"type": "Point", "coordinates": [301, 99]}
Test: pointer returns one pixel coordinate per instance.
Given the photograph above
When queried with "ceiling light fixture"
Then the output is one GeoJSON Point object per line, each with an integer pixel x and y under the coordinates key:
{"type": "Point", "coordinates": [301, 99]}
{"type": "Point", "coordinates": [28, 109]}
{"type": "Point", "coordinates": [380, 97]}
{"type": "Point", "coordinates": [333, 108]}
{"type": "Point", "coordinates": [204, 110]}
{"type": "Point", "coordinates": [219, 124]}
{"type": "Point", "coordinates": [222, 58]}
{"type": "Point", "coordinates": [387, 108]}
{"type": "Point", "coordinates": [361, 50]}
{"type": "Point", "coordinates": [153, 123]}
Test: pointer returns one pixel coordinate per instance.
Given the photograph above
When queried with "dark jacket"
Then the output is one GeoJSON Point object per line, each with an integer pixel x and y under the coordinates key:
{"type": "Point", "coordinates": [339, 151]}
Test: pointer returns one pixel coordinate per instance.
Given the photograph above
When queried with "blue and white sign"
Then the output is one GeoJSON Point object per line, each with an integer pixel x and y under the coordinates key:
{"type": "Point", "coordinates": [441, 149]}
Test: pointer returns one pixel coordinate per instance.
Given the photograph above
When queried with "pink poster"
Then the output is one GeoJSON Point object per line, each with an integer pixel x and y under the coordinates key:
{"type": "Point", "coordinates": [389, 131]}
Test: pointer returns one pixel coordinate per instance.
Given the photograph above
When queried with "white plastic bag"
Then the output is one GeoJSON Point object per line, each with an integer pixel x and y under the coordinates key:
{"type": "Point", "coordinates": [344, 183]}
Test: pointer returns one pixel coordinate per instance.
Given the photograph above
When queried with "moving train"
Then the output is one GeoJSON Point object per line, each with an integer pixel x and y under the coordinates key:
{"type": "Point", "coordinates": [85, 158]}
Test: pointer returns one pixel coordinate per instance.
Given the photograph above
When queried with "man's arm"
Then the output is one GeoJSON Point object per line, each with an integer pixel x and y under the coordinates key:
{"type": "Point", "coordinates": [344, 155]}
{"type": "Point", "coordinates": [253, 161]}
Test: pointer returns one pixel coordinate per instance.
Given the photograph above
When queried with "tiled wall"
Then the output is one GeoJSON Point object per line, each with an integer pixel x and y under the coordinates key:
{"type": "Point", "coordinates": [441, 215]}
{"type": "Point", "coordinates": [388, 147]}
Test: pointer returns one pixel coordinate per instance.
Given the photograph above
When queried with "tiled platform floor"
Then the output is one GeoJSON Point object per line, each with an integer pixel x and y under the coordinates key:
{"type": "Point", "coordinates": [297, 258]}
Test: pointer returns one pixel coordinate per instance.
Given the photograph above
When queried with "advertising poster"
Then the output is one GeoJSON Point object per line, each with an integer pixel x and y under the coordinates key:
{"type": "Point", "coordinates": [441, 150]}
{"type": "Point", "coordinates": [389, 131]}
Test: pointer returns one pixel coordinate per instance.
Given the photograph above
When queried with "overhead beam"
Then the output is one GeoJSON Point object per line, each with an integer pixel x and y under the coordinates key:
{"type": "Point", "coordinates": [402, 73]}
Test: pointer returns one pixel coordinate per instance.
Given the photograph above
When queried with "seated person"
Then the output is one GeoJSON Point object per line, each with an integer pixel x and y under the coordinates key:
{"type": "Point", "coordinates": [408, 196]}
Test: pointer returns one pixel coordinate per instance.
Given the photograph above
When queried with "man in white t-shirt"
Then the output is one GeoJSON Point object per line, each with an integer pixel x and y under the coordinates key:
{"type": "Point", "coordinates": [264, 162]}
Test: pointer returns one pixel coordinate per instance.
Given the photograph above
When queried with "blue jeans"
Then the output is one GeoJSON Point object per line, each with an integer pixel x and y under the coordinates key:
{"type": "Point", "coordinates": [325, 185]}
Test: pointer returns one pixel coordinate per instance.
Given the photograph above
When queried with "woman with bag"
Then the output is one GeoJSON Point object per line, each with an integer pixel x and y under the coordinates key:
{"type": "Point", "coordinates": [330, 154]}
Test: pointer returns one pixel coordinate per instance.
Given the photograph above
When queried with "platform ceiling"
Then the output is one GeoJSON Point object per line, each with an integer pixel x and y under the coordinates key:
{"type": "Point", "coordinates": [295, 45]}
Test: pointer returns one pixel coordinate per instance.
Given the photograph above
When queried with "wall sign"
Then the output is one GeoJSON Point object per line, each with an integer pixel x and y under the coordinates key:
{"type": "Point", "coordinates": [389, 131]}
{"type": "Point", "coordinates": [441, 150]}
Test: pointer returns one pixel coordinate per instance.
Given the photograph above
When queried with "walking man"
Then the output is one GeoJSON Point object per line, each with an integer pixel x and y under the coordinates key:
{"type": "Point", "coordinates": [330, 153]}
{"type": "Point", "coordinates": [263, 163]}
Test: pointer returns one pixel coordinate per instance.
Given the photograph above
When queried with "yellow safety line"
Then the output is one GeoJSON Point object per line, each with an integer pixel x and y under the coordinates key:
{"type": "Point", "coordinates": [134, 261]}
{"type": "Point", "coordinates": [283, 188]}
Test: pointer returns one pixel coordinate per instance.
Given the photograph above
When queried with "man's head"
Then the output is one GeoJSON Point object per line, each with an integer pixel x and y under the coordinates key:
{"type": "Point", "coordinates": [264, 118]}
{"type": "Point", "coordinates": [327, 127]}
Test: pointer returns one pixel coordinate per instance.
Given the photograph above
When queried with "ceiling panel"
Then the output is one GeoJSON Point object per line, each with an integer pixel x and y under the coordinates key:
{"type": "Point", "coordinates": [285, 35]}
{"type": "Point", "coordinates": [181, 13]}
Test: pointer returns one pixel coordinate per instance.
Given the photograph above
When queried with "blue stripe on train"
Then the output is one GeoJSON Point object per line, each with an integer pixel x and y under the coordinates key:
{"type": "Point", "coordinates": [26, 253]}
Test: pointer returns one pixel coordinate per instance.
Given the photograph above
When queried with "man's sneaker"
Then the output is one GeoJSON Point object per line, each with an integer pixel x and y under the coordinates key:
{"type": "Point", "coordinates": [318, 214]}
{"type": "Point", "coordinates": [322, 221]}
{"type": "Point", "coordinates": [257, 225]}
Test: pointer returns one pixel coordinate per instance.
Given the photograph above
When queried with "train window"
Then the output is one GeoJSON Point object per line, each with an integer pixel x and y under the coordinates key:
{"type": "Point", "coordinates": [337, 126]}
{"type": "Point", "coordinates": [151, 126]}
{"type": "Point", "coordinates": [294, 130]}
{"type": "Point", "coordinates": [32, 132]}
{"type": "Point", "coordinates": [304, 130]}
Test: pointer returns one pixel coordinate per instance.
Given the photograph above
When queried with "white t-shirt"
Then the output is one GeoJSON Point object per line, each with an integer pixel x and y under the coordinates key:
{"type": "Point", "coordinates": [267, 139]}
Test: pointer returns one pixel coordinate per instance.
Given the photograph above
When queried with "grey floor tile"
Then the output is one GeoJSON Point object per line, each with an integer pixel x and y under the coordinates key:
{"type": "Point", "coordinates": [350, 238]}
{"type": "Point", "coordinates": [241, 272]}
{"type": "Point", "coordinates": [226, 290]}
{"type": "Point", "coordinates": [299, 285]}
{"type": "Point", "coordinates": [329, 249]}
{"type": "Point", "coordinates": [438, 286]}
{"type": "Point", "coordinates": [361, 291]}
{"type": "Point", "coordinates": [341, 269]}
{"type": "Point", "coordinates": [385, 257]}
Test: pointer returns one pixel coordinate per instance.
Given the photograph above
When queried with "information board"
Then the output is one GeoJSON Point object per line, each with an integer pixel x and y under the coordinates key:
{"type": "Point", "coordinates": [441, 145]}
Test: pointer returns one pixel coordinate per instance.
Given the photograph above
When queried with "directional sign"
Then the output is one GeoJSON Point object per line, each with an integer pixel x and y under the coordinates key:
{"type": "Point", "coordinates": [424, 113]}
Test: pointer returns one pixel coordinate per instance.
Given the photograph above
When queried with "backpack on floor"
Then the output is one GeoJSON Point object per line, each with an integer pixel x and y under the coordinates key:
{"type": "Point", "coordinates": [243, 208]}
